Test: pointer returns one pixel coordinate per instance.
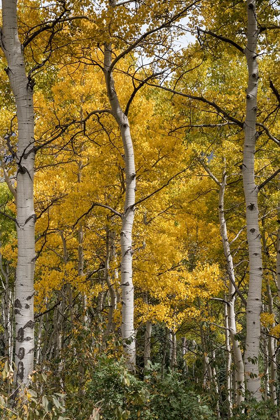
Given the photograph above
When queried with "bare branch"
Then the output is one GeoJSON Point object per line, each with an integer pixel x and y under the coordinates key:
{"type": "Point", "coordinates": [269, 134]}
{"type": "Point", "coordinates": [201, 99]}
{"type": "Point", "coordinates": [222, 38]}
{"type": "Point", "coordinates": [9, 217]}
{"type": "Point", "coordinates": [268, 179]}
{"type": "Point", "coordinates": [148, 33]}
{"type": "Point", "coordinates": [8, 181]}
{"type": "Point", "coordinates": [50, 25]}
{"type": "Point", "coordinates": [275, 91]}
{"type": "Point", "coordinates": [97, 205]}
{"type": "Point", "coordinates": [160, 188]}
{"type": "Point", "coordinates": [142, 83]}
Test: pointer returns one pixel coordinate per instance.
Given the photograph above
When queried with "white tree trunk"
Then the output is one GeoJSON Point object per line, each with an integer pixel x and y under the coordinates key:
{"type": "Point", "coordinates": [113, 297]}
{"type": "Point", "coordinates": [128, 332]}
{"type": "Point", "coordinates": [173, 349]}
{"type": "Point", "coordinates": [24, 290]}
{"type": "Point", "coordinates": [229, 362]}
{"type": "Point", "coordinates": [184, 352]}
{"type": "Point", "coordinates": [237, 354]}
{"type": "Point", "coordinates": [7, 309]}
{"type": "Point", "coordinates": [278, 254]}
{"type": "Point", "coordinates": [147, 344]}
{"type": "Point", "coordinates": [272, 351]}
{"type": "Point", "coordinates": [252, 212]}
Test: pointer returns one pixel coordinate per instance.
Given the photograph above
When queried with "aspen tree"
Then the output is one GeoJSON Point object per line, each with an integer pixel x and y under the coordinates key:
{"type": "Point", "coordinates": [22, 88]}
{"type": "Point", "coordinates": [128, 332]}
{"type": "Point", "coordinates": [252, 211]}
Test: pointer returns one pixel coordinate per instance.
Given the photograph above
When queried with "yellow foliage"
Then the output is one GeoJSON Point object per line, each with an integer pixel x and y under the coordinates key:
{"type": "Point", "coordinates": [267, 319]}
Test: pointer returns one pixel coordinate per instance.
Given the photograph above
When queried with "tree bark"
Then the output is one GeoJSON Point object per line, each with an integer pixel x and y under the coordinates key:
{"type": "Point", "coordinates": [278, 252]}
{"type": "Point", "coordinates": [229, 362]}
{"type": "Point", "coordinates": [237, 354]}
{"type": "Point", "coordinates": [251, 199]}
{"type": "Point", "coordinates": [128, 332]}
{"type": "Point", "coordinates": [22, 89]}
{"type": "Point", "coordinates": [147, 348]}
{"type": "Point", "coordinates": [184, 352]}
{"type": "Point", "coordinates": [113, 297]}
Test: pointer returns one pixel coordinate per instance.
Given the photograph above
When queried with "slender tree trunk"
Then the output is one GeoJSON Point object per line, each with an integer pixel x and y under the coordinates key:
{"type": "Point", "coordinates": [24, 289]}
{"type": "Point", "coordinates": [81, 241]}
{"type": "Point", "coordinates": [112, 292]}
{"type": "Point", "coordinates": [173, 349]}
{"type": "Point", "coordinates": [216, 383]}
{"type": "Point", "coordinates": [7, 309]}
{"type": "Point", "coordinates": [165, 345]}
{"type": "Point", "coordinates": [278, 252]}
{"type": "Point", "coordinates": [184, 352]}
{"type": "Point", "coordinates": [128, 332]}
{"type": "Point", "coordinates": [147, 348]}
{"type": "Point", "coordinates": [39, 342]}
{"type": "Point", "coordinates": [252, 212]}
{"type": "Point", "coordinates": [237, 354]}
{"type": "Point", "coordinates": [266, 376]}
{"type": "Point", "coordinates": [229, 362]}
{"type": "Point", "coordinates": [270, 350]}
{"type": "Point", "coordinates": [272, 362]}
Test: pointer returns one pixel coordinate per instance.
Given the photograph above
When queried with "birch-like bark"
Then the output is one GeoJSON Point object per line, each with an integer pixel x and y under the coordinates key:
{"type": "Point", "coordinates": [7, 311]}
{"type": "Point", "coordinates": [270, 345]}
{"type": "Point", "coordinates": [38, 357]}
{"type": "Point", "coordinates": [128, 332]}
{"type": "Point", "coordinates": [251, 199]}
{"type": "Point", "coordinates": [113, 297]}
{"type": "Point", "coordinates": [81, 240]}
{"type": "Point", "coordinates": [272, 361]}
{"type": "Point", "coordinates": [278, 252]}
{"type": "Point", "coordinates": [184, 352]}
{"type": "Point", "coordinates": [229, 362]}
{"type": "Point", "coordinates": [216, 384]}
{"type": "Point", "coordinates": [173, 349]}
{"type": "Point", "coordinates": [24, 289]}
{"type": "Point", "coordinates": [147, 344]}
{"type": "Point", "coordinates": [237, 354]}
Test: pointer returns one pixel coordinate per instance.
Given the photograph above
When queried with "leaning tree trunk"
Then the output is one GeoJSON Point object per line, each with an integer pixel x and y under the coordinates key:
{"type": "Point", "coordinates": [252, 212]}
{"type": "Point", "coordinates": [128, 333]}
{"type": "Point", "coordinates": [24, 290]}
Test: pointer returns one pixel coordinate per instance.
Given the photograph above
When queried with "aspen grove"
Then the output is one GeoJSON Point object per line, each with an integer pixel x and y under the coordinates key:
{"type": "Point", "coordinates": [139, 209]}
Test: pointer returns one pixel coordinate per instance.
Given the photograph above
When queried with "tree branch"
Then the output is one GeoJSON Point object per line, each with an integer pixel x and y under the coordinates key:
{"type": "Point", "coordinates": [160, 188]}
{"type": "Point", "coordinates": [269, 134]}
{"type": "Point", "coordinates": [146, 34]}
{"type": "Point", "coordinates": [97, 205]}
{"type": "Point", "coordinates": [268, 179]}
{"type": "Point", "coordinates": [274, 90]}
{"type": "Point", "coordinates": [209, 172]}
{"type": "Point", "coordinates": [201, 99]}
{"type": "Point", "coordinates": [222, 38]}
{"type": "Point", "coordinates": [8, 181]}
{"type": "Point", "coordinates": [142, 83]}
{"type": "Point", "coordinates": [9, 217]}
